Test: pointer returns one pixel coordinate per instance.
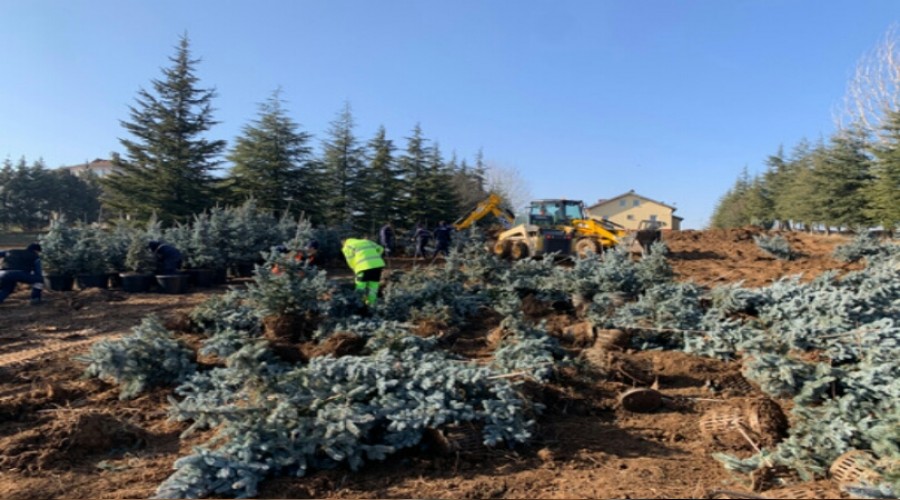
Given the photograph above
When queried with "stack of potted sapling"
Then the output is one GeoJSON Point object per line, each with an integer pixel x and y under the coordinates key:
{"type": "Point", "coordinates": [89, 258]}
{"type": "Point", "coordinates": [139, 264]}
{"type": "Point", "coordinates": [56, 258]}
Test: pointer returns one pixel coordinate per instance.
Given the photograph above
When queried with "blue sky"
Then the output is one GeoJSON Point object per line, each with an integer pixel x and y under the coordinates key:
{"type": "Point", "coordinates": [585, 99]}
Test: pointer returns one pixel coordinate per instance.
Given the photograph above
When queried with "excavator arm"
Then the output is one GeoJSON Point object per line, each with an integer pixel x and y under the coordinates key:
{"type": "Point", "coordinates": [490, 205]}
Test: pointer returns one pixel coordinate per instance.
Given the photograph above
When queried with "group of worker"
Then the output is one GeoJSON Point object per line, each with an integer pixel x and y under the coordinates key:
{"type": "Point", "coordinates": [365, 258]}
{"type": "Point", "coordinates": [442, 235]}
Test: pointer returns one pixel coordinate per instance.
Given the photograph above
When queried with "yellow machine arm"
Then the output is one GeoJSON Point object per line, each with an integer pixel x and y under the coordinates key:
{"type": "Point", "coordinates": [490, 205]}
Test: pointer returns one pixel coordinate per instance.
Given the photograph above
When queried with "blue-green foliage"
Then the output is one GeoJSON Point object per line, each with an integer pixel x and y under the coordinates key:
{"type": "Point", "coordinates": [296, 288]}
{"type": "Point", "coordinates": [345, 410]}
{"type": "Point", "coordinates": [149, 357]}
{"type": "Point", "coordinates": [429, 290]}
{"type": "Point", "coordinates": [527, 349]}
{"type": "Point", "coordinates": [664, 311]}
{"type": "Point", "coordinates": [862, 246]}
{"type": "Point", "coordinates": [775, 245]}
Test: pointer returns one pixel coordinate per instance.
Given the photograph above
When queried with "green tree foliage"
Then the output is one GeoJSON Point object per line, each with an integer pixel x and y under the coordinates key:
{"type": "Point", "coordinates": [31, 195]}
{"type": "Point", "coordinates": [732, 210]}
{"type": "Point", "coordinates": [272, 162]}
{"type": "Point", "coordinates": [342, 162]}
{"type": "Point", "coordinates": [167, 166]}
{"type": "Point", "coordinates": [381, 184]}
{"type": "Point", "coordinates": [839, 179]}
{"type": "Point", "coordinates": [883, 190]}
{"type": "Point", "coordinates": [414, 169]}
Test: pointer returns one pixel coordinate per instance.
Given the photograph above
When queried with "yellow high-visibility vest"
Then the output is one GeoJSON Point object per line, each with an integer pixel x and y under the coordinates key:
{"type": "Point", "coordinates": [362, 255]}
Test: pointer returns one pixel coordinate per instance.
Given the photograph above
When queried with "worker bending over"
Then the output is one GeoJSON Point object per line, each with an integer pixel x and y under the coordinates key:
{"type": "Point", "coordinates": [365, 260]}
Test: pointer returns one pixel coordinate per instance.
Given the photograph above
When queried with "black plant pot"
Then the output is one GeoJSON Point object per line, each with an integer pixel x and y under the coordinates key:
{"type": "Point", "coordinates": [136, 283]}
{"type": "Point", "coordinates": [172, 283]}
{"type": "Point", "coordinates": [59, 282]}
{"type": "Point", "coordinates": [220, 276]}
{"type": "Point", "coordinates": [243, 269]}
{"type": "Point", "coordinates": [92, 281]}
{"type": "Point", "coordinates": [201, 278]}
{"type": "Point", "coordinates": [115, 280]}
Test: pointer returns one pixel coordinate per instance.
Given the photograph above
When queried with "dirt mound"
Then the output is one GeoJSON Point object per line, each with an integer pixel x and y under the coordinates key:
{"type": "Point", "coordinates": [718, 256]}
{"type": "Point", "coordinates": [68, 439]}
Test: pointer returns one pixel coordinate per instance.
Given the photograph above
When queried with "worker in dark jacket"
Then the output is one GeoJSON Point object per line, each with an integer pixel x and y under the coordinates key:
{"type": "Point", "coordinates": [386, 238]}
{"type": "Point", "coordinates": [22, 266]}
{"type": "Point", "coordinates": [168, 258]}
{"type": "Point", "coordinates": [421, 237]}
{"type": "Point", "coordinates": [365, 259]}
{"type": "Point", "coordinates": [442, 239]}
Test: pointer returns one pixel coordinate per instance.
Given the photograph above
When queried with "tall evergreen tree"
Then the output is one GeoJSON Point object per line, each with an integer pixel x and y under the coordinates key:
{"type": "Point", "coordinates": [839, 180]}
{"type": "Point", "coordinates": [342, 161]}
{"type": "Point", "coordinates": [443, 202]}
{"type": "Point", "coordinates": [167, 167]}
{"type": "Point", "coordinates": [775, 181]}
{"type": "Point", "coordinates": [731, 210]}
{"type": "Point", "coordinates": [272, 162]}
{"type": "Point", "coordinates": [380, 183]}
{"type": "Point", "coordinates": [414, 172]}
{"type": "Point", "coordinates": [883, 192]}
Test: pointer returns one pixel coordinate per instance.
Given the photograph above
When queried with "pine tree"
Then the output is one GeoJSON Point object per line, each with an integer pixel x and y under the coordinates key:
{"type": "Point", "coordinates": [342, 161]}
{"type": "Point", "coordinates": [443, 202]}
{"type": "Point", "coordinates": [381, 183]}
{"type": "Point", "coordinates": [883, 190]}
{"type": "Point", "coordinates": [839, 179]}
{"type": "Point", "coordinates": [798, 197]}
{"type": "Point", "coordinates": [414, 171]}
{"type": "Point", "coordinates": [272, 162]}
{"type": "Point", "coordinates": [731, 211]}
{"type": "Point", "coordinates": [775, 180]}
{"type": "Point", "coordinates": [167, 166]}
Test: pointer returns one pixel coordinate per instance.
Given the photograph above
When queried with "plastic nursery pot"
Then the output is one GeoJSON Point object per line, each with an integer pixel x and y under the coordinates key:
{"type": "Point", "coordinates": [85, 281]}
{"type": "Point", "coordinates": [172, 283]}
{"type": "Point", "coordinates": [115, 280]}
{"type": "Point", "coordinates": [136, 283]}
{"type": "Point", "coordinates": [201, 278]}
{"type": "Point", "coordinates": [59, 282]}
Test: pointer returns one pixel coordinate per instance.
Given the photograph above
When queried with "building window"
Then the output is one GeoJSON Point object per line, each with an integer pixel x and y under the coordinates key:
{"type": "Point", "coordinates": [653, 217]}
{"type": "Point", "coordinates": [630, 217]}
{"type": "Point", "coordinates": [637, 202]}
{"type": "Point", "coordinates": [622, 203]}
{"type": "Point", "coordinates": [605, 217]}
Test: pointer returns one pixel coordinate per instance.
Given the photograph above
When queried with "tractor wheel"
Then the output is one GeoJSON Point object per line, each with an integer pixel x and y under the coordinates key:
{"type": "Point", "coordinates": [585, 246]}
{"type": "Point", "coordinates": [501, 249]}
{"type": "Point", "coordinates": [519, 250]}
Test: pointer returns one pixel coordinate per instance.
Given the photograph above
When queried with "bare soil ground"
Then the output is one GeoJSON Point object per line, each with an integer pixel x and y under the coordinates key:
{"type": "Point", "coordinates": [63, 436]}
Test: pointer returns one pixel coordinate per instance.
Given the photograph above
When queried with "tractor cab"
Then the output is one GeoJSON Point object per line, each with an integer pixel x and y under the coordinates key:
{"type": "Point", "coordinates": [552, 213]}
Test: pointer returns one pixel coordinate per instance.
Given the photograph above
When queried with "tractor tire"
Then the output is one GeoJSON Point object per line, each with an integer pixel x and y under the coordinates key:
{"type": "Point", "coordinates": [585, 246]}
{"type": "Point", "coordinates": [502, 248]}
{"type": "Point", "coordinates": [519, 250]}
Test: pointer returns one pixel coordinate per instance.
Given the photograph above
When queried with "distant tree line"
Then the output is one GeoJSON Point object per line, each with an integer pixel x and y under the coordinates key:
{"type": "Point", "coordinates": [848, 181]}
{"type": "Point", "coordinates": [170, 167]}
{"type": "Point", "coordinates": [168, 164]}
{"type": "Point", "coordinates": [32, 195]}
{"type": "Point", "coordinates": [845, 183]}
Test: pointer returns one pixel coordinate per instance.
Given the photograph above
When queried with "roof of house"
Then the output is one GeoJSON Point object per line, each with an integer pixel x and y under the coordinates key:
{"type": "Point", "coordinates": [93, 165]}
{"type": "Point", "coordinates": [629, 193]}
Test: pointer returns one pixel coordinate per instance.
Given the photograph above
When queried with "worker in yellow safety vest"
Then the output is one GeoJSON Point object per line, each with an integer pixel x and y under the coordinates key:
{"type": "Point", "coordinates": [364, 258]}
